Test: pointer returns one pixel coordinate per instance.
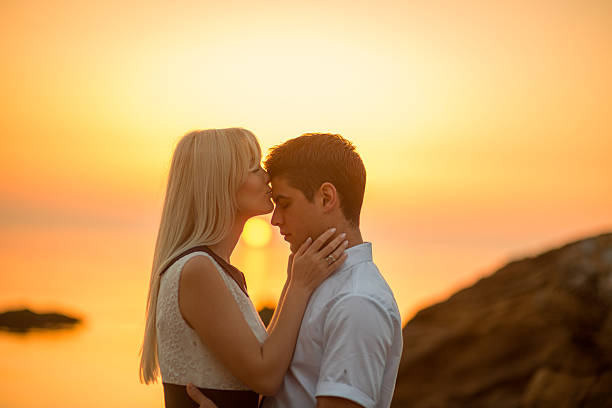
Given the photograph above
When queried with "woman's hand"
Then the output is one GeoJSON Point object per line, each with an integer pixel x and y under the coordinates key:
{"type": "Point", "coordinates": [290, 266]}
{"type": "Point", "coordinates": [314, 262]}
{"type": "Point", "coordinates": [198, 397]}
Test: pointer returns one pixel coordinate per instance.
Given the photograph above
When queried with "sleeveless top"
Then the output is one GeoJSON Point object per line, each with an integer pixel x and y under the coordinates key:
{"type": "Point", "coordinates": [182, 356]}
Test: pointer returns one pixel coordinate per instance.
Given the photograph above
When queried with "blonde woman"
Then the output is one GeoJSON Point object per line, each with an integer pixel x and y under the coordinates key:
{"type": "Point", "coordinates": [201, 326]}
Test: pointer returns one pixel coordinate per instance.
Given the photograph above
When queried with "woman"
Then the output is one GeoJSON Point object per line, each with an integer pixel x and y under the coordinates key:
{"type": "Point", "coordinates": [201, 326]}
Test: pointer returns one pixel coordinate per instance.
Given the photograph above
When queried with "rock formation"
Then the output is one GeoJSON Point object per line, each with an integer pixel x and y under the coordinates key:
{"type": "Point", "coordinates": [265, 314]}
{"type": "Point", "coordinates": [536, 333]}
{"type": "Point", "coordinates": [25, 320]}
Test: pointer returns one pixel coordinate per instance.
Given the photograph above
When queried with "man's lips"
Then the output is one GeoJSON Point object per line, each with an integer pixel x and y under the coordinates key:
{"type": "Point", "coordinates": [285, 236]}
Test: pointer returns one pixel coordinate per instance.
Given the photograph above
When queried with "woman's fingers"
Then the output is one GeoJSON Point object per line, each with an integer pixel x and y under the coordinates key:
{"type": "Point", "coordinates": [305, 245]}
{"type": "Point", "coordinates": [337, 253]}
{"type": "Point", "coordinates": [338, 262]}
{"type": "Point", "coordinates": [316, 260]}
{"type": "Point", "coordinates": [333, 244]}
{"type": "Point", "coordinates": [198, 397]}
{"type": "Point", "coordinates": [321, 239]}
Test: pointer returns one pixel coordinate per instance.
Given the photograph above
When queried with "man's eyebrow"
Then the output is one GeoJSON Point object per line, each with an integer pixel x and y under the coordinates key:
{"type": "Point", "coordinates": [279, 197]}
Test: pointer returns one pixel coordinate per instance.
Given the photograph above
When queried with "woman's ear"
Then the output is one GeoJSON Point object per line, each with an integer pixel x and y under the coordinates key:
{"type": "Point", "coordinates": [329, 196]}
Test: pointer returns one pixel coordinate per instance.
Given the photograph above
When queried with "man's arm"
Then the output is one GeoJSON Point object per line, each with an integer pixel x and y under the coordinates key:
{"type": "Point", "coordinates": [208, 306]}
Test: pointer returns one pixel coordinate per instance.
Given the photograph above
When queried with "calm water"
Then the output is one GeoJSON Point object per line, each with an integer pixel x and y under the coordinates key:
{"type": "Point", "coordinates": [102, 276]}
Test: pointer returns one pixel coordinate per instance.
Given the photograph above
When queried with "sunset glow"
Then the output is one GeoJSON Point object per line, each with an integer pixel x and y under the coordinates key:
{"type": "Point", "coordinates": [485, 127]}
{"type": "Point", "coordinates": [257, 233]}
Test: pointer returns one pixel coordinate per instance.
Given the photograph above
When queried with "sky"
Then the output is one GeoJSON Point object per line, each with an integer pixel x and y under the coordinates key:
{"type": "Point", "coordinates": [484, 125]}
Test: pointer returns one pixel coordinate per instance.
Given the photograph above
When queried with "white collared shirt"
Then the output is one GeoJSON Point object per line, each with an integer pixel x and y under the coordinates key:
{"type": "Point", "coordinates": [350, 341]}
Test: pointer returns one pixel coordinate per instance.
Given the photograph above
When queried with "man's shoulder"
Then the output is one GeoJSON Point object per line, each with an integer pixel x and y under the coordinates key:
{"type": "Point", "coordinates": [363, 285]}
{"type": "Point", "coordinates": [367, 280]}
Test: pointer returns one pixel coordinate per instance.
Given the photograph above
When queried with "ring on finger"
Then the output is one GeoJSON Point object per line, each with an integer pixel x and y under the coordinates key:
{"type": "Point", "coordinates": [330, 259]}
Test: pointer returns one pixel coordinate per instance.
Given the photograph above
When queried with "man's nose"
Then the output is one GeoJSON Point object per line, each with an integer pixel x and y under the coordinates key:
{"type": "Point", "coordinates": [266, 177]}
{"type": "Point", "coordinates": [276, 219]}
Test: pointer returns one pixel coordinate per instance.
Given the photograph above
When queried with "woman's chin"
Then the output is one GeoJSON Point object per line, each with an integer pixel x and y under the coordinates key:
{"type": "Point", "coordinates": [265, 210]}
{"type": "Point", "coordinates": [269, 208]}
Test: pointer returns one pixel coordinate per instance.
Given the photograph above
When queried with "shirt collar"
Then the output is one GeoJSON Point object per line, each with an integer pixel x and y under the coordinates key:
{"type": "Point", "coordinates": [356, 255]}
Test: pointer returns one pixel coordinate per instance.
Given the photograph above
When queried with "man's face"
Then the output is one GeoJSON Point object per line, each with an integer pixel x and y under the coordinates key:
{"type": "Point", "coordinates": [294, 215]}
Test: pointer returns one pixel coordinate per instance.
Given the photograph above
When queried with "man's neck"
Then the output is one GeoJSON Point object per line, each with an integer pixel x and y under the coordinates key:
{"type": "Point", "coordinates": [353, 236]}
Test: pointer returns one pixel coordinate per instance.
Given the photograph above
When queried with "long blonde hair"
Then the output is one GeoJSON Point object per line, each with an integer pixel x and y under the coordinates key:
{"type": "Point", "coordinates": [208, 167]}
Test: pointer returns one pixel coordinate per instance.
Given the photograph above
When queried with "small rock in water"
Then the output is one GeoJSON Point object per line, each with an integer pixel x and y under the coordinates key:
{"type": "Point", "coordinates": [25, 320]}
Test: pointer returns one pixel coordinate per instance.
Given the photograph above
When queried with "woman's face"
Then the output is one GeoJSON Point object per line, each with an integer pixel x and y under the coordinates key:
{"type": "Point", "coordinates": [254, 197]}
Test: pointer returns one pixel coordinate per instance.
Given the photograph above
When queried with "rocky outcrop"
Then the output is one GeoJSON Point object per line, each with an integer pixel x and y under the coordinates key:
{"type": "Point", "coordinates": [25, 320]}
{"type": "Point", "coordinates": [536, 333]}
{"type": "Point", "coordinates": [265, 314]}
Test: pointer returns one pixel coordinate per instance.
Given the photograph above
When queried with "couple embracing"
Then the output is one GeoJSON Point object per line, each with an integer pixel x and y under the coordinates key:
{"type": "Point", "coordinates": [335, 337]}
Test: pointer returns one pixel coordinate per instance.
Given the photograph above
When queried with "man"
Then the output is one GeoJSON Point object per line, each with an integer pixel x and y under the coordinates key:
{"type": "Point", "coordinates": [350, 341]}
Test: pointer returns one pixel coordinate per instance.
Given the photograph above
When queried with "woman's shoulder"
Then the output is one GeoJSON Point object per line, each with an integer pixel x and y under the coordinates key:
{"type": "Point", "coordinates": [203, 274]}
{"type": "Point", "coordinates": [199, 266]}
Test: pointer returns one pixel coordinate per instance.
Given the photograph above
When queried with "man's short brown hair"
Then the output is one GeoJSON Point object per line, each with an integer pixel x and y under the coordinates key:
{"type": "Point", "coordinates": [312, 159]}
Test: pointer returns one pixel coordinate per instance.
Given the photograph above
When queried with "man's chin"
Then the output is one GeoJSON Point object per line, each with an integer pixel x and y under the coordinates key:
{"type": "Point", "coordinates": [294, 247]}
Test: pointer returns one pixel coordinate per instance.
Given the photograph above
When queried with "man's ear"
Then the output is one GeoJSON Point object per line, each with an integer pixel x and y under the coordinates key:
{"type": "Point", "coordinates": [329, 196]}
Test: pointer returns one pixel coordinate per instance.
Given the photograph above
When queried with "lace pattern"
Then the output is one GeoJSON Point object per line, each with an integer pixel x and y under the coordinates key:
{"type": "Point", "coordinates": [182, 356]}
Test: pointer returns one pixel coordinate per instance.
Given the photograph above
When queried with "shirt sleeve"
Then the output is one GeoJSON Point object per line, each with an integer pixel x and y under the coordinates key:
{"type": "Point", "coordinates": [358, 333]}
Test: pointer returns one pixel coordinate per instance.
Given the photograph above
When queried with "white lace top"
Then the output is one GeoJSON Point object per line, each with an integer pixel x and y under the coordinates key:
{"type": "Point", "coordinates": [182, 356]}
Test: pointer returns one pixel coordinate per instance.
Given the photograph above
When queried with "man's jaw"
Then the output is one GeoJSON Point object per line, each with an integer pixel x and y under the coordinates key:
{"type": "Point", "coordinates": [286, 237]}
{"type": "Point", "coordinates": [290, 238]}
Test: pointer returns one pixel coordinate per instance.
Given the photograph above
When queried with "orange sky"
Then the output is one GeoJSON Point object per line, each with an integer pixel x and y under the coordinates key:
{"type": "Point", "coordinates": [485, 127]}
{"type": "Point", "coordinates": [479, 122]}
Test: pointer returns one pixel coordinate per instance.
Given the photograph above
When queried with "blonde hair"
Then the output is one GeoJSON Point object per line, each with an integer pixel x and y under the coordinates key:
{"type": "Point", "coordinates": [208, 167]}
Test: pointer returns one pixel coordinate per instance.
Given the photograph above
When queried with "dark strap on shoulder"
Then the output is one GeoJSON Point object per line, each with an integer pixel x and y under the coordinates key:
{"type": "Point", "coordinates": [231, 270]}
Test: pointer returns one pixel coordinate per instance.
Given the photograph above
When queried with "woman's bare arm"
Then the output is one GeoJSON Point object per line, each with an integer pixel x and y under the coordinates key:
{"type": "Point", "coordinates": [209, 307]}
{"type": "Point", "coordinates": [281, 299]}
{"type": "Point", "coordinates": [278, 308]}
